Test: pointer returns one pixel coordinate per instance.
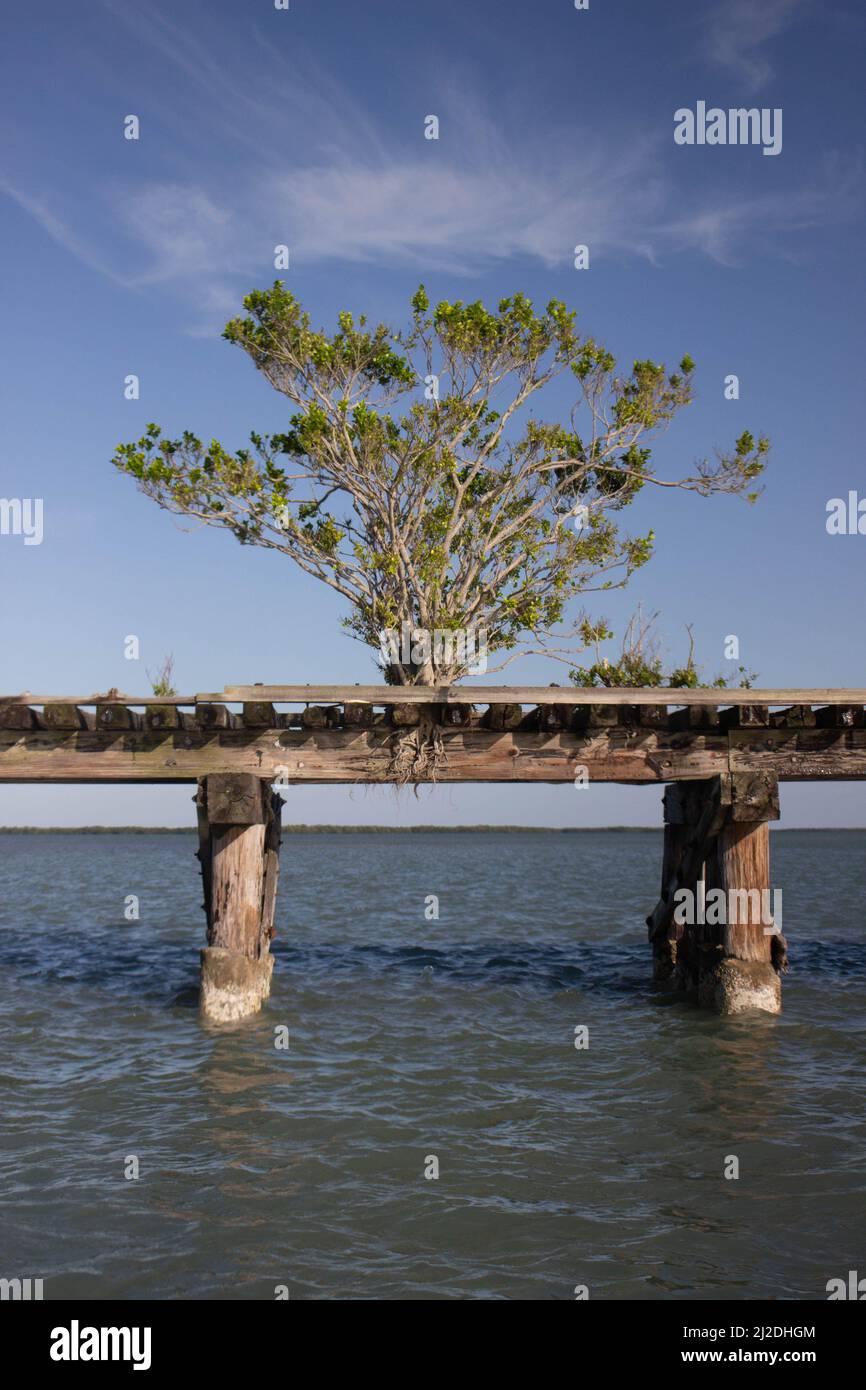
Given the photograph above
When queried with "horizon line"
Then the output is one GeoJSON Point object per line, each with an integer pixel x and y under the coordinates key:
{"type": "Point", "coordinates": [323, 829]}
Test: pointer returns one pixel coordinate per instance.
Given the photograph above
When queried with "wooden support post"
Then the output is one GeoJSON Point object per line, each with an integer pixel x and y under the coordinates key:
{"type": "Point", "coordinates": [239, 837]}
{"type": "Point", "coordinates": [750, 946]}
{"type": "Point", "coordinates": [694, 813]}
{"type": "Point", "coordinates": [717, 939]}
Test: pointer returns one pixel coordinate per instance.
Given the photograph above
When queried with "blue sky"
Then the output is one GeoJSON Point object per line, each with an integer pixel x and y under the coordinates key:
{"type": "Point", "coordinates": [306, 127]}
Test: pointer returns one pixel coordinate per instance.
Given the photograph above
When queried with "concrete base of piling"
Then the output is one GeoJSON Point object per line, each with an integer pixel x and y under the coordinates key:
{"type": "Point", "coordinates": [232, 985]}
{"type": "Point", "coordinates": [737, 986]}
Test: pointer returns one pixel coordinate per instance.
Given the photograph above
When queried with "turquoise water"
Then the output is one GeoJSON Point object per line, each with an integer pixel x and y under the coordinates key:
{"type": "Point", "coordinates": [412, 1038]}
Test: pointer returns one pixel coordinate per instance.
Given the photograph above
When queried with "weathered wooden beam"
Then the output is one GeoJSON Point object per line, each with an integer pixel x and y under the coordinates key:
{"type": "Point", "coordinates": [108, 699]}
{"type": "Point", "coordinates": [478, 694]}
{"type": "Point", "coordinates": [358, 755]}
{"type": "Point", "coordinates": [525, 695]}
{"type": "Point", "coordinates": [800, 755]}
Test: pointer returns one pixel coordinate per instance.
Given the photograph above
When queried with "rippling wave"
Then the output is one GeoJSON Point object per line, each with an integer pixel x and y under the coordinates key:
{"type": "Point", "coordinates": [412, 1038]}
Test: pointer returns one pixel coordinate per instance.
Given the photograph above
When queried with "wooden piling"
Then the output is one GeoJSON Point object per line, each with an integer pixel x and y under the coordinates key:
{"type": "Point", "coordinates": [748, 974]}
{"type": "Point", "coordinates": [727, 951]}
{"type": "Point", "coordinates": [239, 836]}
{"type": "Point", "coordinates": [694, 814]}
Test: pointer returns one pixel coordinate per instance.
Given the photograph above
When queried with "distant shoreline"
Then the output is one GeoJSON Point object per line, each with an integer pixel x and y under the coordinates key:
{"type": "Point", "coordinates": [397, 829]}
{"type": "Point", "coordinates": [326, 829]}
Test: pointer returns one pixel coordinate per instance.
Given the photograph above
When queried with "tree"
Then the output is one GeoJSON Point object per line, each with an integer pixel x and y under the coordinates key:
{"type": "Point", "coordinates": [414, 479]}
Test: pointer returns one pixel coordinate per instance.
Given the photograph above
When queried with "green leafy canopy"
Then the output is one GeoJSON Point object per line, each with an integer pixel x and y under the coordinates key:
{"type": "Point", "coordinates": [414, 477]}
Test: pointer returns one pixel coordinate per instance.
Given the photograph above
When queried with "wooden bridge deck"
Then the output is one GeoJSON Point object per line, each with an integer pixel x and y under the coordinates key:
{"type": "Point", "coordinates": [349, 734]}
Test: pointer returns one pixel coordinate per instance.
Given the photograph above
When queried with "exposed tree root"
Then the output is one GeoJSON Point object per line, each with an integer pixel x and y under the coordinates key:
{"type": "Point", "coordinates": [418, 755]}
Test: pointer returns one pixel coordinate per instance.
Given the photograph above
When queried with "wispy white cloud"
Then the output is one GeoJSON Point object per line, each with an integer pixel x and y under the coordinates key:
{"type": "Point", "coordinates": [738, 32]}
{"type": "Point", "coordinates": [344, 189]}
{"type": "Point", "coordinates": [496, 201]}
